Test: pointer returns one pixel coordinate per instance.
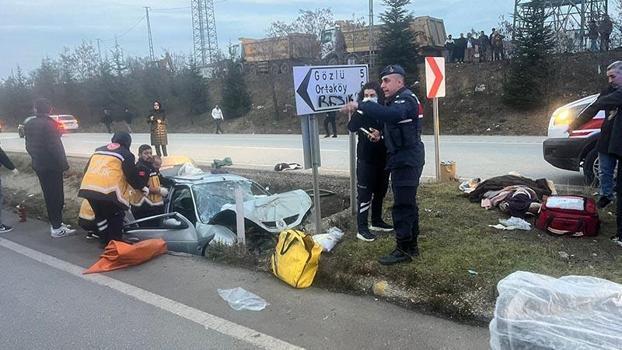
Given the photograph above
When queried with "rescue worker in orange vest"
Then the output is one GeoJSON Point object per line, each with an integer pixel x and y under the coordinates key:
{"type": "Point", "coordinates": [153, 203]}
{"type": "Point", "coordinates": [109, 177]}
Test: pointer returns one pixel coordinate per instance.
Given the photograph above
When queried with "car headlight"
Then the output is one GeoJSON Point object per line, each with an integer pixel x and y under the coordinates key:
{"type": "Point", "coordinates": [563, 116]}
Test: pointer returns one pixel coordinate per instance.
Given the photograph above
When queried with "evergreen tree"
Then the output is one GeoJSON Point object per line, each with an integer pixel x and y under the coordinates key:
{"type": "Point", "coordinates": [526, 83]}
{"type": "Point", "coordinates": [397, 42]}
{"type": "Point", "coordinates": [236, 100]}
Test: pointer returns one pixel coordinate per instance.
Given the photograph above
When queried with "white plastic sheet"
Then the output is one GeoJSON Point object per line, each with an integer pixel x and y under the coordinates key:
{"type": "Point", "coordinates": [241, 299]}
{"type": "Point", "coordinates": [540, 312]}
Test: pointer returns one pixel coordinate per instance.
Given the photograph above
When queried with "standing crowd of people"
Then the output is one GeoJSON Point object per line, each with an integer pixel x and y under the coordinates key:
{"type": "Point", "coordinates": [599, 34]}
{"type": "Point", "coordinates": [476, 47]}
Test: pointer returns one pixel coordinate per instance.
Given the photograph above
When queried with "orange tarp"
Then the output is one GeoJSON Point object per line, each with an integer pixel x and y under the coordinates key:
{"type": "Point", "coordinates": [119, 255]}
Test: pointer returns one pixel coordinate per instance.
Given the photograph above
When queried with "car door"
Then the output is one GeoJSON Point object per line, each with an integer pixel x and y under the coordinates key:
{"type": "Point", "coordinates": [176, 230]}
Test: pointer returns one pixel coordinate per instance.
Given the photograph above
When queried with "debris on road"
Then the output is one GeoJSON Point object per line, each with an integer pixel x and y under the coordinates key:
{"type": "Point", "coordinates": [329, 240]}
{"type": "Point", "coordinates": [241, 299]}
{"type": "Point", "coordinates": [287, 166]}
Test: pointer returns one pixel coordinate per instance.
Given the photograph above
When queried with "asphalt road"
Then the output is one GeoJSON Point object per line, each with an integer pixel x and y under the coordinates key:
{"type": "Point", "coordinates": [475, 156]}
{"type": "Point", "coordinates": [172, 302]}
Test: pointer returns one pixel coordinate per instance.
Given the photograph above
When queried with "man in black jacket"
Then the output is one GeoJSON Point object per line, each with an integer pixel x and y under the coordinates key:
{"type": "Point", "coordinates": [371, 176]}
{"type": "Point", "coordinates": [610, 142]}
{"type": "Point", "coordinates": [49, 162]}
{"type": "Point", "coordinates": [609, 100]}
{"type": "Point", "coordinates": [5, 161]}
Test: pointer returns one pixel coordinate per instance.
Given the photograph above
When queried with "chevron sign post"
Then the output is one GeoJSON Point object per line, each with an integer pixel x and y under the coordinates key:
{"type": "Point", "coordinates": [435, 88]}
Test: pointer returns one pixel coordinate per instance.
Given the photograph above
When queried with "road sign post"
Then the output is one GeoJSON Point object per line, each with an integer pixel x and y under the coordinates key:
{"type": "Point", "coordinates": [435, 88]}
{"type": "Point", "coordinates": [352, 142]}
{"type": "Point", "coordinates": [320, 89]}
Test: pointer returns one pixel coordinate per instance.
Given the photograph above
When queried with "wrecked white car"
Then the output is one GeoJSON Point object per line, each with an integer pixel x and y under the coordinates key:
{"type": "Point", "coordinates": [201, 210]}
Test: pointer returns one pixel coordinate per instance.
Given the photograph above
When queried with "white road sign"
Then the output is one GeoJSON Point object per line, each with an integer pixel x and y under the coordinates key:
{"type": "Point", "coordinates": [327, 88]}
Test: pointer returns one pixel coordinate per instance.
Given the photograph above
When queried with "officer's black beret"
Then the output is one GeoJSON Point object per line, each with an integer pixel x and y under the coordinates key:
{"type": "Point", "coordinates": [393, 69]}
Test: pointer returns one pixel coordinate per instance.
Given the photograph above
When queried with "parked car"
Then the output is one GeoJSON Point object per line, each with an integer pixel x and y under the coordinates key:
{"type": "Point", "coordinates": [60, 125]}
{"type": "Point", "coordinates": [68, 122]}
{"type": "Point", "coordinates": [576, 150]}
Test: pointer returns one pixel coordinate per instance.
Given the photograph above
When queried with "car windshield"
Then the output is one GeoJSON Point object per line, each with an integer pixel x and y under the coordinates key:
{"type": "Point", "coordinates": [67, 118]}
{"type": "Point", "coordinates": [210, 197]}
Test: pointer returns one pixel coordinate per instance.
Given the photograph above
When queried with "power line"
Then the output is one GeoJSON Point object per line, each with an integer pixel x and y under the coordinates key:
{"type": "Point", "coordinates": [171, 9]}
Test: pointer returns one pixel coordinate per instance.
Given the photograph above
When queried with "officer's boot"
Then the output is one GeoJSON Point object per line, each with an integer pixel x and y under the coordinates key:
{"type": "Point", "coordinates": [399, 255]}
{"type": "Point", "coordinates": [413, 248]}
{"type": "Point", "coordinates": [377, 224]}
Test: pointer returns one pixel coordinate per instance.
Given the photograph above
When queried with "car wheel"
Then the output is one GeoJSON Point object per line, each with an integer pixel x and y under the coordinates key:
{"type": "Point", "coordinates": [590, 168]}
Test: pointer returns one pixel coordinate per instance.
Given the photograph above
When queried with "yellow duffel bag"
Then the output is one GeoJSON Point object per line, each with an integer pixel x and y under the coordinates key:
{"type": "Point", "coordinates": [296, 258]}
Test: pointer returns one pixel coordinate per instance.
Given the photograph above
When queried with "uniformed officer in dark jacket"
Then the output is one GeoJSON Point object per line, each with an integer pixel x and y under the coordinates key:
{"type": "Point", "coordinates": [406, 157]}
{"type": "Point", "coordinates": [371, 174]}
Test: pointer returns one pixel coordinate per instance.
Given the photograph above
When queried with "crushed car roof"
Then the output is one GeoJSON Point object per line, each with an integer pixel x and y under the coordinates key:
{"type": "Point", "coordinates": [207, 178]}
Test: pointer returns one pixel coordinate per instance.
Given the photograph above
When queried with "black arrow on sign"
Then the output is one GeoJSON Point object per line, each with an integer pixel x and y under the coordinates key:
{"type": "Point", "coordinates": [302, 90]}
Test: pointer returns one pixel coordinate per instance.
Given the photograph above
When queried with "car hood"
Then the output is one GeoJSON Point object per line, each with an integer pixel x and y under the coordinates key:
{"type": "Point", "coordinates": [273, 213]}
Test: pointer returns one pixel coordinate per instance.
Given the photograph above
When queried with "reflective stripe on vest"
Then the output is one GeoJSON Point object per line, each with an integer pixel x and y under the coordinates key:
{"type": "Point", "coordinates": [105, 175]}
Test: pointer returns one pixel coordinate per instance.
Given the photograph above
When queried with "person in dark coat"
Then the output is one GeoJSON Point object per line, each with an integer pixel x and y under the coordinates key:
{"type": "Point", "coordinates": [157, 121]}
{"type": "Point", "coordinates": [610, 141]}
{"type": "Point", "coordinates": [460, 49]}
{"type": "Point", "coordinates": [604, 30]}
{"type": "Point", "coordinates": [371, 158]}
{"type": "Point", "coordinates": [484, 45]}
{"type": "Point", "coordinates": [6, 162]}
{"type": "Point", "coordinates": [592, 34]}
{"type": "Point", "coordinates": [607, 100]}
{"type": "Point", "coordinates": [450, 45]}
{"type": "Point", "coordinates": [49, 161]}
{"type": "Point", "coordinates": [107, 119]}
{"type": "Point", "coordinates": [330, 119]}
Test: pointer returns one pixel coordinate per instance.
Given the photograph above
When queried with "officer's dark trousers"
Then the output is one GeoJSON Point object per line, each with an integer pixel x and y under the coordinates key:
{"type": "Point", "coordinates": [405, 181]}
{"type": "Point", "coordinates": [372, 185]}
{"type": "Point", "coordinates": [52, 187]}
{"type": "Point", "coordinates": [109, 220]}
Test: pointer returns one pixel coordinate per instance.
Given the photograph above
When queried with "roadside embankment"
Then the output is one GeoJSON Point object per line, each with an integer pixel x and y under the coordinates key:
{"type": "Point", "coordinates": [461, 261]}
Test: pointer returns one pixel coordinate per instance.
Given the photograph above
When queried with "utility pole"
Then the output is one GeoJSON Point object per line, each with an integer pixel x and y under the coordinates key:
{"type": "Point", "coordinates": [371, 36]}
{"type": "Point", "coordinates": [204, 32]}
{"type": "Point", "coordinates": [151, 55]}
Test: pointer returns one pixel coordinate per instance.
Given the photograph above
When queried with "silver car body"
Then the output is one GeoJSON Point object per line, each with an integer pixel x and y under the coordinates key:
{"type": "Point", "coordinates": [201, 210]}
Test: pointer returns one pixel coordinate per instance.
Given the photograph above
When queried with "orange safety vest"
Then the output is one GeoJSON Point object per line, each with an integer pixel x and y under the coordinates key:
{"type": "Point", "coordinates": [153, 199]}
{"type": "Point", "coordinates": [105, 175]}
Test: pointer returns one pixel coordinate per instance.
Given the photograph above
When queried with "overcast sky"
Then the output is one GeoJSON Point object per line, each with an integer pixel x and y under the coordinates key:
{"type": "Point", "coordinates": [33, 29]}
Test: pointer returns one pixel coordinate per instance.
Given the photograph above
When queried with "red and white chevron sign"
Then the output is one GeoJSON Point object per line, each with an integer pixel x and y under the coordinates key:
{"type": "Point", "coordinates": [435, 76]}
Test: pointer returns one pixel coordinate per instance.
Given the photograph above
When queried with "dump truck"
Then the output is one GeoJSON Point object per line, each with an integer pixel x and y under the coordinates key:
{"type": "Point", "coordinates": [278, 54]}
{"type": "Point", "coordinates": [429, 35]}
